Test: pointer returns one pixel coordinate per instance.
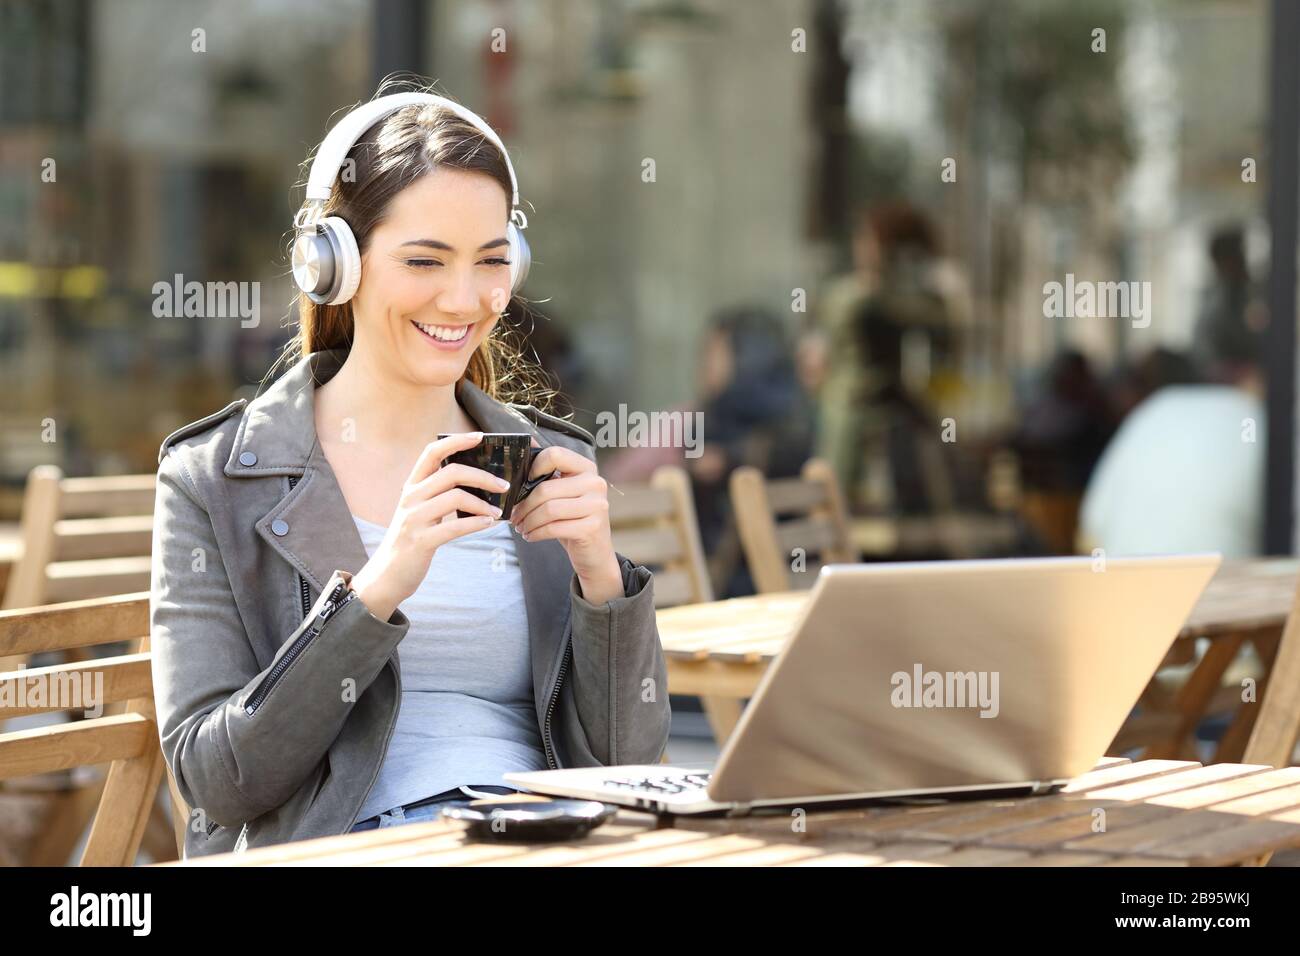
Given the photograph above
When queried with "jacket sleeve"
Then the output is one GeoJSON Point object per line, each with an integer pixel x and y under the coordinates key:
{"type": "Point", "coordinates": [620, 678]}
{"type": "Point", "coordinates": [240, 739]}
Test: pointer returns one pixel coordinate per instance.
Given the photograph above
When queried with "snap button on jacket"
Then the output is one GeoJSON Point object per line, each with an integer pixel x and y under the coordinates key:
{"type": "Point", "coordinates": [276, 693]}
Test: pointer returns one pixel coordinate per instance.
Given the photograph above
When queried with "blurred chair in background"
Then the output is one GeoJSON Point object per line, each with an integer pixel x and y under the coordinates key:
{"type": "Point", "coordinates": [82, 537]}
{"type": "Point", "coordinates": [790, 527]}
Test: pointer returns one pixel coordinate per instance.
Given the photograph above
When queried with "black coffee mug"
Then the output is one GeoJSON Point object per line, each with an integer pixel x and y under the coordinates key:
{"type": "Point", "coordinates": [507, 455]}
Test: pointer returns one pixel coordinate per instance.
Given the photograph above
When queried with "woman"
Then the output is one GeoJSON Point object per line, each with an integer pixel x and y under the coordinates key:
{"type": "Point", "coordinates": [302, 537]}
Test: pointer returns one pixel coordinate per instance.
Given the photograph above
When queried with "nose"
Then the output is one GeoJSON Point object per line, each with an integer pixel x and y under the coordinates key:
{"type": "Point", "coordinates": [460, 297]}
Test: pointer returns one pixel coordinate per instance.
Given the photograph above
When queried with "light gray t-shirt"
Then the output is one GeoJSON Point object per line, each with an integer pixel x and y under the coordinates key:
{"type": "Point", "coordinates": [467, 714]}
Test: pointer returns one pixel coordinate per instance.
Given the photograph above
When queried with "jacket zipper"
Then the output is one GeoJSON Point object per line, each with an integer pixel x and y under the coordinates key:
{"type": "Point", "coordinates": [551, 761]}
{"type": "Point", "coordinates": [337, 599]}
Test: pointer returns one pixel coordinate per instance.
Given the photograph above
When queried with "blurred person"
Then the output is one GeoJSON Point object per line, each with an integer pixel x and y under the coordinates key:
{"type": "Point", "coordinates": [1063, 432]}
{"type": "Point", "coordinates": [1156, 369]}
{"type": "Point", "coordinates": [1185, 472]}
{"type": "Point", "coordinates": [874, 325]}
{"type": "Point", "coordinates": [755, 410]}
{"type": "Point", "coordinates": [330, 530]}
{"type": "Point", "coordinates": [1061, 435]}
{"type": "Point", "coordinates": [1230, 325]}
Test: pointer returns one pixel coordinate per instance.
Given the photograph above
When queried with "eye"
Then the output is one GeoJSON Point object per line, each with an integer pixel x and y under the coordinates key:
{"type": "Point", "coordinates": [423, 263]}
{"type": "Point", "coordinates": [496, 262]}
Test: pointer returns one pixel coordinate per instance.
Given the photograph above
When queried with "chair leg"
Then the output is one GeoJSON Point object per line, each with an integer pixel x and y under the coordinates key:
{"type": "Point", "coordinates": [159, 836]}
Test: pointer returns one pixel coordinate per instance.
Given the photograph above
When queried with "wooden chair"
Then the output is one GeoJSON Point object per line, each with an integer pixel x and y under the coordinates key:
{"type": "Point", "coordinates": [82, 538]}
{"type": "Point", "coordinates": [790, 527]}
{"type": "Point", "coordinates": [125, 737]}
{"type": "Point", "coordinates": [654, 524]}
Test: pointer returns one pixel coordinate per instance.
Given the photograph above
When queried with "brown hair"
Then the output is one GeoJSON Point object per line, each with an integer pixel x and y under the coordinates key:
{"type": "Point", "coordinates": [407, 144]}
{"type": "Point", "coordinates": [898, 225]}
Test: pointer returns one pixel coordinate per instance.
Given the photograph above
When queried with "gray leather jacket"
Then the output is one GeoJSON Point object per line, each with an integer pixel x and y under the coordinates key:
{"type": "Point", "coordinates": [277, 691]}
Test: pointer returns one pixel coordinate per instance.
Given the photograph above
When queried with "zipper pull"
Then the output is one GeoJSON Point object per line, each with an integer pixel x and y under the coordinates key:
{"type": "Point", "coordinates": [335, 601]}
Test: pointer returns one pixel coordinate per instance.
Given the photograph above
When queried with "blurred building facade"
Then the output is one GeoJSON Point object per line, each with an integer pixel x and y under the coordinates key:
{"type": "Point", "coordinates": [675, 157]}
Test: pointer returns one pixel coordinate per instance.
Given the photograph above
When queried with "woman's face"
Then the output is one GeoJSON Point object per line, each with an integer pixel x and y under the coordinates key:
{"type": "Point", "coordinates": [436, 276]}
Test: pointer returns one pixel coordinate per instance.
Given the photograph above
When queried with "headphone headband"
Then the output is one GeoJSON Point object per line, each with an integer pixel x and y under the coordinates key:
{"type": "Point", "coordinates": [340, 140]}
{"type": "Point", "coordinates": [326, 259]}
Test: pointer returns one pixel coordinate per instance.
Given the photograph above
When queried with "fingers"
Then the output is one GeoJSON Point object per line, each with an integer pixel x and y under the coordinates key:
{"type": "Point", "coordinates": [456, 499]}
{"type": "Point", "coordinates": [568, 529]}
{"type": "Point", "coordinates": [436, 451]}
{"type": "Point", "coordinates": [451, 476]}
{"type": "Point", "coordinates": [557, 509]}
{"type": "Point", "coordinates": [566, 460]}
{"type": "Point", "coordinates": [545, 503]}
{"type": "Point", "coordinates": [436, 535]}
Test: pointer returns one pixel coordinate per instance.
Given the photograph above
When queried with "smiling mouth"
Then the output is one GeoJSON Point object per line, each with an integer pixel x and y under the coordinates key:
{"type": "Point", "coordinates": [444, 333]}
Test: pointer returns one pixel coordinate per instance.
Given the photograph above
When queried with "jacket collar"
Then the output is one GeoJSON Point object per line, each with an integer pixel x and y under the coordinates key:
{"type": "Point", "coordinates": [277, 433]}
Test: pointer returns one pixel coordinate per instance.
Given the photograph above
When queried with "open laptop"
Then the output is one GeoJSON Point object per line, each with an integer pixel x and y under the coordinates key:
{"type": "Point", "coordinates": [924, 679]}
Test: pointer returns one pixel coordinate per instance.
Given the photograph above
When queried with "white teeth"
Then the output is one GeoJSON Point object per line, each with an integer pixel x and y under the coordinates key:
{"type": "Point", "coordinates": [444, 333]}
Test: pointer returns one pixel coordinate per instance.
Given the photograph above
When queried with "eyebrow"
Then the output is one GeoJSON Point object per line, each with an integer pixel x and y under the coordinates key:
{"type": "Point", "coordinates": [435, 244]}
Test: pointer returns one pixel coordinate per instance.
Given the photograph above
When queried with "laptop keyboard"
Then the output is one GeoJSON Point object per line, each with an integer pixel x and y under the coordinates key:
{"type": "Point", "coordinates": [675, 783]}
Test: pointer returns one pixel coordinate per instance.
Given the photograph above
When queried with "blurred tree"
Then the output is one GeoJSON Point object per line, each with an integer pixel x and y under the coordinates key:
{"type": "Point", "coordinates": [1034, 106]}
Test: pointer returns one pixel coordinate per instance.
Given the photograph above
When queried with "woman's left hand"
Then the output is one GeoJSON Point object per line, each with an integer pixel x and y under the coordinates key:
{"type": "Point", "coordinates": [573, 508]}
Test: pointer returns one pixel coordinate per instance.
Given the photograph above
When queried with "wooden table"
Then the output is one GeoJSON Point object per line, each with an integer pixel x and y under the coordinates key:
{"type": "Point", "coordinates": [719, 651]}
{"type": "Point", "coordinates": [1153, 813]}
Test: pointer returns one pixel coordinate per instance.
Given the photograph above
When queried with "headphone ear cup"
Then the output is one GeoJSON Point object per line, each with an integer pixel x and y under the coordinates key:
{"type": "Point", "coordinates": [521, 257]}
{"type": "Point", "coordinates": [347, 259]}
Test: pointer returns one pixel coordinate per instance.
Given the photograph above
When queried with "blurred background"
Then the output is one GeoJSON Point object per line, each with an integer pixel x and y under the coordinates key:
{"type": "Point", "coordinates": [846, 248]}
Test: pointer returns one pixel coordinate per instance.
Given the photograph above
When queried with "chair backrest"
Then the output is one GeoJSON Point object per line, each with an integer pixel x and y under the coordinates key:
{"type": "Point", "coordinates": [127, 738]}
{"type": "Point", "coordinates": [1277, 725]}
{"type": "Point", "coordinates": [654, 524]}
{"type": "Point", "coordinates": [790, 527]}
{"type": "Point", "coordinates": [82, 538]}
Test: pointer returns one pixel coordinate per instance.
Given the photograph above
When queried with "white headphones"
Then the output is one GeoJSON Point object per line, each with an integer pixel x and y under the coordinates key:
{"type": "Point", "coordinates": [326, 261]}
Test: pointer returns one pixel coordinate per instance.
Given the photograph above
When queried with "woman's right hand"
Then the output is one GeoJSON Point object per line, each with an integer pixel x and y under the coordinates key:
{"type": "Point", "coordinates": [425, 520]}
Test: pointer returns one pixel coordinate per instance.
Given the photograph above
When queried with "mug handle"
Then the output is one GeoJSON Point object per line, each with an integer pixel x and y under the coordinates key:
{"type": "Point", "coordinates": [529, 484]}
